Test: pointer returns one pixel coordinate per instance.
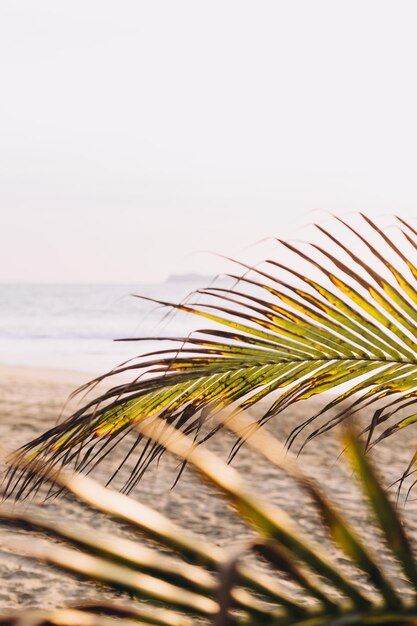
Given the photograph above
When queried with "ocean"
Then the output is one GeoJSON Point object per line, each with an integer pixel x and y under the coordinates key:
{"type": "Point", "coordinates": [74, 326]}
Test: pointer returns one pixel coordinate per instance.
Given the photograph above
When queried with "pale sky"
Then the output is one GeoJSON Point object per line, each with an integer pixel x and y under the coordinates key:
{"type": "Point", "coordinates": [135, 134]}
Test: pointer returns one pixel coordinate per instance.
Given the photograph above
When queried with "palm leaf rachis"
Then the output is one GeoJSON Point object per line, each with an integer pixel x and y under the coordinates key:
{"type": "Point", "coordinates": [341, 317]}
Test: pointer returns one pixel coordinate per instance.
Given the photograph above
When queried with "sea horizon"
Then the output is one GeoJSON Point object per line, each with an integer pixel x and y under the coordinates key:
{"type": "Point", "coordinates": [75, 326]}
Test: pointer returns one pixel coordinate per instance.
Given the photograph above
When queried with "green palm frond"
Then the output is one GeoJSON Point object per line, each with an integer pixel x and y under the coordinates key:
{"type": "Point", "coordinates": [198, 583]}
{"type": "Point", "coordinates": [340, 316]}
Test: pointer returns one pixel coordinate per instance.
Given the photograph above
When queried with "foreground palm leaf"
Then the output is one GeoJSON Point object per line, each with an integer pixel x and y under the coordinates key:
{"type": "Point", "coordinates": [341, 317]}
{"type": "Point", "coordinates": [200, 583]}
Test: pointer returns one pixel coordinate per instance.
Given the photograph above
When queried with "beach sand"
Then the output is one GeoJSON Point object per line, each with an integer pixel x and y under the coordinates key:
{"type": "Point", "coordinates": [31, 400]}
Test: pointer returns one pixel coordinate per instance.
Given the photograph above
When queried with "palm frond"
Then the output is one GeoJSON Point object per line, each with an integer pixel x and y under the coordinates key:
{"type": "Point", "coordinates": [201, 584]}
{"type": "Point", "coordinates": [339, 316]}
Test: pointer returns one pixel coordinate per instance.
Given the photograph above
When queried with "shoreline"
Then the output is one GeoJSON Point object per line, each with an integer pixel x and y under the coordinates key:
{"type": "Point", "coordinates": [44, 374]}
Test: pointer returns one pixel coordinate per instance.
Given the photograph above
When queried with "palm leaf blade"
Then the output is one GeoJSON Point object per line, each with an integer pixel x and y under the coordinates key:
{"type": "Point", "coordinates": [354, 332]}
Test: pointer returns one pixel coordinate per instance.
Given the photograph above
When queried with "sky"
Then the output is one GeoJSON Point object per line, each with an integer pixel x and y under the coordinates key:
{"type": "Point", "coordinates": [139, 138]}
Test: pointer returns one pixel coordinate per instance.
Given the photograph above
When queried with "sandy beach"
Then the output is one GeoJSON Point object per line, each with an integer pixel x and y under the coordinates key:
{"type": "Point", "coordinates": [31, 400]}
